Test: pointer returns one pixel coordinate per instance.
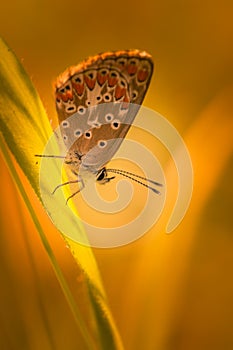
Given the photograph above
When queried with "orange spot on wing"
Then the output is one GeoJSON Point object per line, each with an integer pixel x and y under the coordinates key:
{"type": "Point", "coordinates": [142, 75]}
{"type": "Point", "coordinates": [125, 104]}
{"type": "Point", "coordinates": [101, 78]}
{"type": "Point", "coordinates": [69, 95]}
{"type": "Point", "coordinates": [132, 69]}
{"type": "Point", "coordinates": [90, 82]}
{"type": "Point", "coordinates": [64, 96]}
{"type": "Point", "coordinates": [119, 92]}
{"type": "Point", "coordinates": [112, 81]}
{"type": "Point", "coordinates": [79, 88]}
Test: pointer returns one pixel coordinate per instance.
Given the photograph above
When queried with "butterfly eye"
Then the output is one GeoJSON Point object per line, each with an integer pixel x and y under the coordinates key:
{"type": "Point", "coordinates": [98, 98]}
{"type": "Point", "coordinates": [107, 97]}
{"type": "Point", "coordinates": [81, 110]}
{"type": "Point", "coordinates": [65, 124]}
{"type": "Point", "coordinates": [115, 124]}
{"type": "Point", "coordinates": [102, 143]}
{"type": "Point", "coordinates": [78, 132]}
{"type": "Point", "coordinates": [101, 174]}
{"type": "Point", "coordinates": [88, 134]}
{"type": "Point", "coordinates": [65, 138]}
{"type": "Point", "coordinates": [109, 117]}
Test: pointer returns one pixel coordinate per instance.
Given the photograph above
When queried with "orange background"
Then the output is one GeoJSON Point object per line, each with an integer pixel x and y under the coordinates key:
{"type": "Point", "coordinates": [166, 292]}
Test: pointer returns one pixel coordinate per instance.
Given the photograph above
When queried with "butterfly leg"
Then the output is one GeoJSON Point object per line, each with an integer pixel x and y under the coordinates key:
{"type": "Point", "coordinates": [65, 183]}
{"type": "Point", "coordinates": [79, 190]}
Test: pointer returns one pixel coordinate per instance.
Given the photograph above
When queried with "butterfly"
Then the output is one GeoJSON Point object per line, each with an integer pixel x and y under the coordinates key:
{"type": "Point", "coordinates": [96, 103]}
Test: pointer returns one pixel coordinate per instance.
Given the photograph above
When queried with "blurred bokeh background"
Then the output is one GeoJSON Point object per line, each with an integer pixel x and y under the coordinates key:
{"type": "Point", "coordinates": [166, 292]}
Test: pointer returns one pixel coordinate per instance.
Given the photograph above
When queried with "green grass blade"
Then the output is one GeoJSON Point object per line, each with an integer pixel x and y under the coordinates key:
{"type": "Point", "coordinates": [76, 313]}
{"type": "Point", "coordinates": [25, 130]}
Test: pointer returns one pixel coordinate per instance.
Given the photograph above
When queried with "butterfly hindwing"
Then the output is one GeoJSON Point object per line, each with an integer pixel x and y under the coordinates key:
{"type": "Point", "coordinates": [114, 76]}
{"type": "Point", "coordinates": [98, 100]}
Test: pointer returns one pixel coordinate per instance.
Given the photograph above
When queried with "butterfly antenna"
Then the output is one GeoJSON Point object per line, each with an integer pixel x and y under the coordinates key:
{"type": "Point", "coordinates": [48, 156]}
{"type": "Point", "coordinates": [135, 175]}
{"type": "Point", "coordinates": [131, 177]}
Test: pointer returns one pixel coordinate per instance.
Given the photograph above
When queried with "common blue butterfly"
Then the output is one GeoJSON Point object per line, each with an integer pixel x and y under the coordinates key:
{"type": "Point", "coordinates": [96, 102]}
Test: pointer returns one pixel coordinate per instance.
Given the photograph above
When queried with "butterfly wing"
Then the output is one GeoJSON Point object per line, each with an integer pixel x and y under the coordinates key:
{"type": "Point", "coordinates": [97, 102]}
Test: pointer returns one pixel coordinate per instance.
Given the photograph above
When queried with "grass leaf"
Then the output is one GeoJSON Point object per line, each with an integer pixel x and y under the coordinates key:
{"type": "Point", "coordinates": [25, 130]}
